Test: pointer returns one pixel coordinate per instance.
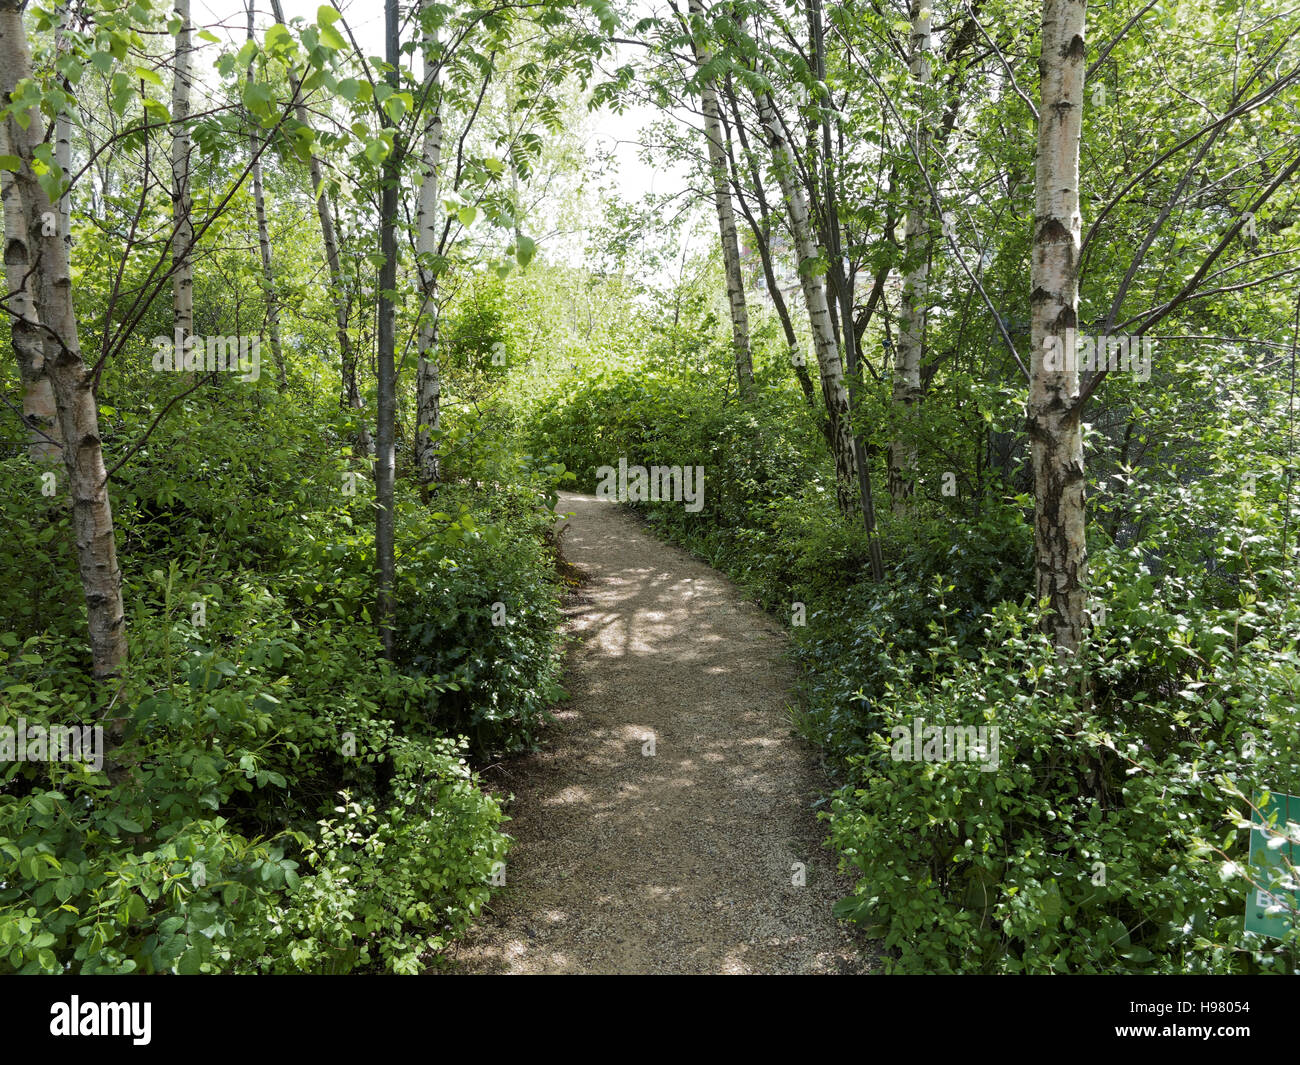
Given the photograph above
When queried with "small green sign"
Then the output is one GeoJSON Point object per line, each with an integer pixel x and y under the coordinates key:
{"type": "Point", "coordinates": [1270, 913]}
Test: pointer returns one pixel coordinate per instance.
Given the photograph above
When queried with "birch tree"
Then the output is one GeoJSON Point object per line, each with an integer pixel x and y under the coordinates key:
{"type": "Point", "coordinates": [182, 205]}
{"type": "Point", "coordinates": [760, 221]}
{"type": "Point", "coordinates": [338, 290]}
{"type": "Point", "coordinates": [839, 271]}
{"type": "Point", "coordinates": [718, 171]}
{"type": "Point", "coordinates": [916, 242]}
{"type": "Point", "coordinates": [44, 437]}
{"type": "Point", "coordinates": [63, 138]}
{"type": "Point", "coordinates": [1053, 415]}
{"type": "Point", "coordinates": [263, 236]}
{"type": "Point", "coordinates": [428, 381]}
{"type": "Point", "coordinates": [829, 365]}
{"type": "Point", "coordinates": [385, 448]}
{"type": "Point", "coordinates": [44, 313]}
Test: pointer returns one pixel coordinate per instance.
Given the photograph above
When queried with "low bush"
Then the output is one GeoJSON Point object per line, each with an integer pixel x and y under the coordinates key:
{"type": "Point", "coordinates": [283, 798]}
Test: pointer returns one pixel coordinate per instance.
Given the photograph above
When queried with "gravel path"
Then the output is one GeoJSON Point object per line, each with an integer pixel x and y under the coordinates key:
{"type": "Point", "coordinates": [684, 860]}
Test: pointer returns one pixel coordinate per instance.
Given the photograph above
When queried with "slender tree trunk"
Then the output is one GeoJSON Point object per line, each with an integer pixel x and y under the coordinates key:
{"type": "Point", "coordinates": [182, 207]}
{"type": "Point", "coordinates": [761, 227]}
{"type": "Point", "coordinates": [63, 139]}
{"type": "Point", "coordinates": [841, 279]}
{"type": "Point", "coordinates": [762, 246]}
{"type": "Point", "coordinates": [916, 288]}
{"type": "Point", "coordinates": [1055, 432]}
{"type": "Point", "coordinates": [386, 458]}
{"type": "Point", "coordinates": [713, 134]}
{"type": "Point", "coordinates": [428, 382]}
{"type": "Point", "coordinates": [44, 435]}
{"type": "Point", "coordinates": [511, 134]}
{"type": "Point", "coordinates": [831, 368]}
{"type": "Point", "coordinates": [264, 239]}
{"type": "Point", "coordinates": [364, 445]}
{"type": "Point", "coordinates": [32, 244]}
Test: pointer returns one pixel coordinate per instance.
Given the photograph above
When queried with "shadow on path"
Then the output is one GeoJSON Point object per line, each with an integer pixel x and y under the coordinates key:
{"type": "Point", "coordinates": [682, 861]}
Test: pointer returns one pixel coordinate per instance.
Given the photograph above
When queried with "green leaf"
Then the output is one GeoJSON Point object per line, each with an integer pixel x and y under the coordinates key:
{"type": "Point", "coordinates": [257, 97]}
{"type": "Point", "coordinates": [123, 93]}
{"type": "Point", "coordinates": [395, 106]}
{"type": "Point", "coordinates": [278, 39]}
{"type": "Point", "coordinates": [331, 39]}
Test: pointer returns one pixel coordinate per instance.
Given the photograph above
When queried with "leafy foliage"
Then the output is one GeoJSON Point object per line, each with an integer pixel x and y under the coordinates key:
{"type": "Point", "coordinates": [290, 801]}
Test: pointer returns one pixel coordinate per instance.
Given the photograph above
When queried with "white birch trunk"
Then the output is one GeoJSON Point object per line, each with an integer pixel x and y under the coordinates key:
{"type": "Point", "coordinates": [50, 301]}
{"type": "Point", "coordinates": [365, 444]}
{"type": "Point", "coordinates": [44, 437]}
{"type": "Point", "coordinates": [916, 289]}
{"type": "Point", "coordinates": [829, 364]}
{"type": "Point", "coordinates": [63, 139]}
{"type": "Point", "coordinates": [182, 207]}
{"type": "Point", "coordinates": [428, 381]}
{"type": "Point", "coordinates": [1055, 431]}
{"type": "Point", "coordinates": [264, 239]}
{"type": "Point", "coordinates": [718, 170]}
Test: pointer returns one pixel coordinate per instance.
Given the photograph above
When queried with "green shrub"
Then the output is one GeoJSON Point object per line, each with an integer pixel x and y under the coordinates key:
{"type": "Point", "coordinates": [1113, 834]}
{"type": "Point", "coordinates": [284, 798]}
{"type": "Point", "coordinates": [479, 609]}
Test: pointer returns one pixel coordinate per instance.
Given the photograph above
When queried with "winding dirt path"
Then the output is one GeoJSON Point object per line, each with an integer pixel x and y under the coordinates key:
{"type": "Point", "coordinates": [684, 860]}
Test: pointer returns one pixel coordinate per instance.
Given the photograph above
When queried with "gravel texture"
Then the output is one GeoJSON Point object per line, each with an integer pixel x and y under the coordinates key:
{"type": "Point", "coordinates": [684, 860]}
